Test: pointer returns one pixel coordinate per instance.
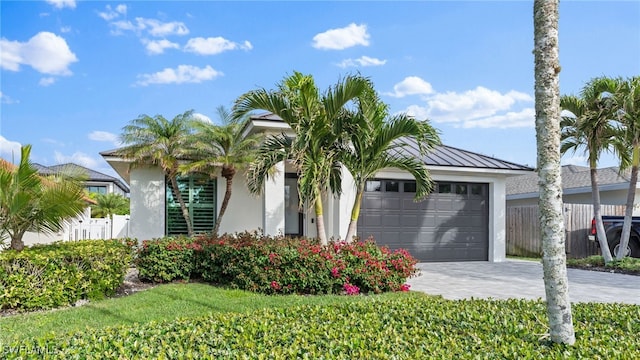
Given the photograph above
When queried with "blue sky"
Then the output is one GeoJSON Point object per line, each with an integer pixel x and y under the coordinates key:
{"type": "Point", "coordinates": [73, 73]}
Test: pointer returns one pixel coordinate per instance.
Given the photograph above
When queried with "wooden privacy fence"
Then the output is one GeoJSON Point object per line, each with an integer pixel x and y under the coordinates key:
{"type": "Point", "coordinates": [523, 229]}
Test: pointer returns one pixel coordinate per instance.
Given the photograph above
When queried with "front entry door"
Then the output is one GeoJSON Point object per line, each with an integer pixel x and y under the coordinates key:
{"type": "Point", "coordinates": [293, 217]}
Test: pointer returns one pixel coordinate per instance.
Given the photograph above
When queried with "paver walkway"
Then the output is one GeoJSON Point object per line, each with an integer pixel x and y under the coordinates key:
{"type": "Point", "coordinates": [520, 279]}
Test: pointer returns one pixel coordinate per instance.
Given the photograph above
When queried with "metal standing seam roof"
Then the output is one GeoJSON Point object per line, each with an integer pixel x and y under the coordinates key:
{"type": "Point", "coordinates": [573, 177]}
{"type": "Point", "coordinates": [449, 156]}
{"type": "Point", "coordinates": [92, 174]}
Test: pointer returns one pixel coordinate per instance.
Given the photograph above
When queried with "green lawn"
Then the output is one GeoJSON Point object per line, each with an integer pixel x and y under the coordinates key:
{"type": "Point", "coordinates": [164, 302]}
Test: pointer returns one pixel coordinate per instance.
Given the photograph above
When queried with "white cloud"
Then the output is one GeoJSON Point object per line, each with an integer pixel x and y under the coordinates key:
{"type": "Point", "coordinates": [65, 29]}
{"type": "Point", "coordinates": [362, 61]}
{"type": "Point", "coordinates": [152, 27]}
{"type": "Point", "coordinates": [63, 3]}
{"type": "Point", "coordinates": [46, 81]}
{"type": "Point", "coordinates": [155, 47]}
{"type": "Point", "coordinates": [411, 85]}
{"type": "Point", "coordinates": [477, 108]}
{"type": "Point", "coordinates": [45, 52]}
{"type": "Point", "coordinates": [110, 14]}
{"type": "Point", "coordinates": [472, 104]}
{"type": "Point", "coordinates": [201, 117]}
{"type": "Point", "coordinates": [104, 136]}
{"type": "Point", "coordinates": [9, 149]}
{"type": "Point", "coordinates": [78, 157]}
{"type": "Point", "coordinates": [342, 38]}
{"type": "Point", "coordinates": [214, 45]}
{"type": "Point", "coordinates": [4, 99]}
{"type": "Point", "coordinates": [523, 118]}
{"type": "Point", "coordinates": [158, 28]}
{"type": "Point", "coordinates": [182, 74]}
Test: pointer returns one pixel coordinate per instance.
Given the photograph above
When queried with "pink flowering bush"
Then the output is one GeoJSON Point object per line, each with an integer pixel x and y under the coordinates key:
{"type": "Point", "coordinates": [282, 265]}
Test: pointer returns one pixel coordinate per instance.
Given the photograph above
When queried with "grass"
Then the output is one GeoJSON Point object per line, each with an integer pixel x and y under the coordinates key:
{"type": "Point", "coordinates": [164, 302]}
{"type": "Point", "coordinates": [627, 265]}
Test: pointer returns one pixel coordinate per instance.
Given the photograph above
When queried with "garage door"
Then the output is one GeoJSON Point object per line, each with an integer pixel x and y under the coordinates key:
{"type": "Point", "coordinates": [450, 225]}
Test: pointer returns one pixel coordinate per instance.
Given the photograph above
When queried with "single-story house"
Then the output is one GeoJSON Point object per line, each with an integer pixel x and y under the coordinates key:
{"type": "Point", "coordinates": [576, 187]}
{"type": "Point", "coordinates": [462, 219]}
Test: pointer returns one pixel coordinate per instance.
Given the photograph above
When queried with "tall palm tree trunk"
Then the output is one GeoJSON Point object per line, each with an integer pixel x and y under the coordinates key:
{"type": "Point", "coordinates": [322, 234]}
{"type": "Point", "coordinates": [628, 212]}
{"type": "Point", "coordinates": [228, 173]}
{"type": "Point", "coordinates": [355, 213]}
{"type": "Point", "coordinates": [183, 206]}
{"type": "Point", "coordinates": [602, 236]}
{"type": "Point", "coordinates": [547, 104]}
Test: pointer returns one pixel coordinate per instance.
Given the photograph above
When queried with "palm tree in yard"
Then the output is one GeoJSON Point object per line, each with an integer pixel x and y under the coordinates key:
{"type": "Point", "coordinates": [547, 104]}
{"type": "Point", "coordinates": [314, 151]}
{"type": "Point", "coordinates": [374, 142]}
{"type": "Point", "coordinates": [30, 202]}
{"type": "Point", "coordinates": [628, 101]}
{"type": "Point", "coordinates": [223, 147]}
{"type": "Point", "coordinates": [161, 142]}
{"type": "Point", "coordinates": [590, 127]}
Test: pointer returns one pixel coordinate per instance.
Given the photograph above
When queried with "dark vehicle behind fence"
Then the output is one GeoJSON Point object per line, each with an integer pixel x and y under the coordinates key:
{"type": "Point", "coordinates": [613, 229]}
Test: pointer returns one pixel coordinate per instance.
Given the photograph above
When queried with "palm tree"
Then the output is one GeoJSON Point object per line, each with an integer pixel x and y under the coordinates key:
{"type": "Point", "coordinates": [108, 205]}
{"type": "Point", "coordinates": [30, 202]}
{"type": "Point", "coordinates": [628, 101]}
{"type": "Point", "coordinates": [314, 152]}
{"type": "Point", "coordinates": [590, 126]}
{"type": "Point", "coordinates": [375, 141]}
{"type": "Point", "coordinates": [161, 142]}
{"type": "Point", "coordinates": [221, 146]}
{"type": "Point", "coordinates": [547, 93]}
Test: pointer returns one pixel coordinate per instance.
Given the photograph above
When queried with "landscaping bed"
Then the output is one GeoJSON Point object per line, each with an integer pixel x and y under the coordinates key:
{"type": "Point", "coordinates": [407, 327]}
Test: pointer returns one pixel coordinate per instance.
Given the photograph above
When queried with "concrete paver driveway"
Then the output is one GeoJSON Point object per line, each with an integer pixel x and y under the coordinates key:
{"type": "Point", "coordinates": [520, 279]}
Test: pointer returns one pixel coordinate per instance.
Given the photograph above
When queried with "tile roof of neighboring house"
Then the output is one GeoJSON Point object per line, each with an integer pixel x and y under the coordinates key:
{"type": "Point", "coordinates": [45, 171]}
{"type": "Point", "coordinates": [91, 174]}
{"type": "Point", "coordinates": [573, 177]}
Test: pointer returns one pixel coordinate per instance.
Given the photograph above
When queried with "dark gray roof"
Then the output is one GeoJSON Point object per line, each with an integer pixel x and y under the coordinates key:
{"type": "Point", "coordinates": [573, 177]}
{"type": "Point", "coordinates": [449, 156]}
{"type": "Point", "coordinates": [91, 174]}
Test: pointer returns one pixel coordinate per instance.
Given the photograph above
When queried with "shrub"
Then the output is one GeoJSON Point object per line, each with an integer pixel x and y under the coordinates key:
{"type": "Point", "coordinates": [166, 259]}
{"type": "Point", "coordinates": [48, 276]}
{"type": "Point", "coordinates": [406, 328]}
{"type": "Point", "coordinates": [278, 265]}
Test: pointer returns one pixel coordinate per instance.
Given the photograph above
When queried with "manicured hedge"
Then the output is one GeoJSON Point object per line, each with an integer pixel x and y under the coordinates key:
{"type": "Point", "coordinates": [277, 265]}
{"type": "Point", "coordinates": [48, 276]}
{"type": "Point", "coordinates": [408, 328]}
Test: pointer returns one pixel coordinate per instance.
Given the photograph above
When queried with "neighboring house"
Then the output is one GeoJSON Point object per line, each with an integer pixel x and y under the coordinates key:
{"type": "Point", "coordinates": [463, 218]}
{"type": "Point", "coordinates": [97, 182]}
{"type": "Point", "coordinates": [576, 185]}
{"type": "Point", "coordinates": [83, 226]}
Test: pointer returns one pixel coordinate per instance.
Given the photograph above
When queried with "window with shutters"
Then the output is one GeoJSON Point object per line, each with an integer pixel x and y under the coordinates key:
{"type": "Point", "coordinates": [199, 193]}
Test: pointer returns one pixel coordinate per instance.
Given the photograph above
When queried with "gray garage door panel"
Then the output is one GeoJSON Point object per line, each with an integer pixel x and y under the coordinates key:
{"type": "Point", "coordinates": [445, 227]}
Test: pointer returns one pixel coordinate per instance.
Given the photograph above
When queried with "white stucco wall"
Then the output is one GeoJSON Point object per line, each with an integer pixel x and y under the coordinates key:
{"type": "Point", "coordinates": [244, 212]}
{"type": "Point", "coordinates": [147, 219]}
{"type": "Point", "coordinates": [273, 202]}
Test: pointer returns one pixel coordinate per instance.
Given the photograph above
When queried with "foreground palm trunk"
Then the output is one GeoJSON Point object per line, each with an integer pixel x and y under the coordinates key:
{"type": "Point", "coordinates": [602, 236]}
{"type": "Point", "coordinates": [322, 234]}
{"type": "Point", "coordinates": [355, 213]}
{"type": "Point", "coordinates": [547, 95]}
{"type": "Point", "coordinates": [183, 206]}
{"type": "Point", "coordinates": [228, 173]}
{"type": "Point", "coordinates": [628, 213]}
